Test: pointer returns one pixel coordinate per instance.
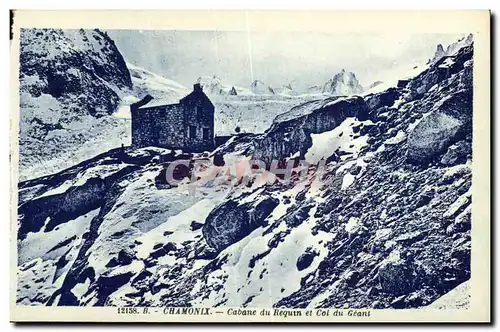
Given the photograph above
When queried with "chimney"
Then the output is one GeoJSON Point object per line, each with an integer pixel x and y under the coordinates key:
{"type": "Point", "coordinates": [141, 102]}
{"type": "Point", "coordinates": [197, 87]}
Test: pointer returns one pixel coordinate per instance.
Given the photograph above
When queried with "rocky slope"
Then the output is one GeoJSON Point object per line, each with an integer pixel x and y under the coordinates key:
{"type": "Point", "coordinates": [384, 223]}
{"type": "Point", "coordinates": [70, 82]}
{"type": "Point", "coordinates": [146, 82]}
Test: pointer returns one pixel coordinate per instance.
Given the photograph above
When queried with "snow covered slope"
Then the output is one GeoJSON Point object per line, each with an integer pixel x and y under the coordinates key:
{"type": "Point", "coordinates": [145, 82]}
{"type": "Point", "coordinates": [160, 87]}
{"type": "Point", "coordinates": [251, 113]}
{"type": "Point", "coordinates": [384, 224]}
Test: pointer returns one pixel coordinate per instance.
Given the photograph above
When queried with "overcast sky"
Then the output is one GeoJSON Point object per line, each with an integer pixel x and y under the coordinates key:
{"type": "Point", "coordinates": [277, 58]}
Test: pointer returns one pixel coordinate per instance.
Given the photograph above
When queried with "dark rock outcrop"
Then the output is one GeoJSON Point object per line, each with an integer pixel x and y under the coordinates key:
{"type": "Point", "coordinates": [108, 284]}
{"type": "Point", "coordinates": [124, 258]}
{"type": "Point", "coordinates": [385, 98]}
{"type": "Point", "coordinates": [396, 276]}
{"type": "Point", "coordinates": [450, 118]}
{"type": "Point", "coordinates": [440, 71]}
{"type": "Point", "coordinates": [291, 131]}
{"type": "Point", "coordinates": [70, 82]}
{"type": "Point", "coordinates": [64, 205]}
{"type": "Point", "coordinates": [196, 225]}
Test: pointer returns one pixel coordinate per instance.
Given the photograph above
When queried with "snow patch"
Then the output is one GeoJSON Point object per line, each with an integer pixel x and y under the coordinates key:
{"type": "Point", "coordinates": [341, 137]}
{"type": "Point", "coordinates": [352, 225]}
{"type": "Point", "coordinates": [400, 136]}
{"type": "Point", "coordinates": [347, 180]}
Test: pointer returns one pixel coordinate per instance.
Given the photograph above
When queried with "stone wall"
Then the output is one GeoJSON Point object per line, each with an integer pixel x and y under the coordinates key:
{"type": "Point", "coordinates": [158, 126]}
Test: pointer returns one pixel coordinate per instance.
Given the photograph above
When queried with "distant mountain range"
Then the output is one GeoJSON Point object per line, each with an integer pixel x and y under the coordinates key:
{"type": "Point", "coordinates": [343, 83]}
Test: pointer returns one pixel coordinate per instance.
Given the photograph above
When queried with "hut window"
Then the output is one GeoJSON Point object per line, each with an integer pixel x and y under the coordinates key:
{"type": "Point", "coordinates": [192, 131]}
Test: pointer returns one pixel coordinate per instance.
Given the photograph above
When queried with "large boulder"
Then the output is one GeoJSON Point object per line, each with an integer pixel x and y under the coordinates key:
{"type": "Point", "coordinates": [450, 122]}
{"type": "Point", "coordinates": [431, 137]}
{"type": "Point", "coordinates": [305, 260]}
{"type": "Point", "coordinates": [230, 222]}
{"type": "Point", "coordinates": [396, 275]}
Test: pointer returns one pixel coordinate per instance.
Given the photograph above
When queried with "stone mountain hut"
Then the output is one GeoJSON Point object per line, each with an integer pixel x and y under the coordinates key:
{"type": "Point", "coordinates": [188, 125]}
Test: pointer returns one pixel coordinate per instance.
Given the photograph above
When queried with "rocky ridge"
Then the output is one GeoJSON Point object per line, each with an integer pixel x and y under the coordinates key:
{"type": "Point", "coordinates": [71, 81]}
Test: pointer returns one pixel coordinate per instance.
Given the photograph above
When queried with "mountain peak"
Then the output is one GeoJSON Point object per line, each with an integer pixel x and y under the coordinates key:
{"type": "Point", "coordinates": [212, 85]}
{"type": "Point", "coordinates": [260, 87]}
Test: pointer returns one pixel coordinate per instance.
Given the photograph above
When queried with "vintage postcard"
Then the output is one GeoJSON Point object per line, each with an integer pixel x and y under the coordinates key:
{"type": "Point", "coordinates": [250, 166]}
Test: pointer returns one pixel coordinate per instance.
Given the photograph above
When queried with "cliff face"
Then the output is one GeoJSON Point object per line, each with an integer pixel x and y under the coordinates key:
{"type": "Point", "coordinates": [70, 82]}
{"type": "Point", "coordinates": [291, 132]}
